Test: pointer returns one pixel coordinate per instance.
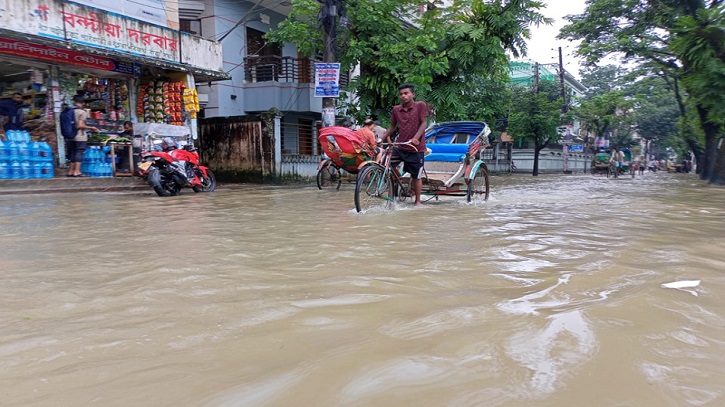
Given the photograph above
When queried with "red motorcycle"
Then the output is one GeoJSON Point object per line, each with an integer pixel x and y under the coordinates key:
{"type": "Point", "coordinates": [174, 168]}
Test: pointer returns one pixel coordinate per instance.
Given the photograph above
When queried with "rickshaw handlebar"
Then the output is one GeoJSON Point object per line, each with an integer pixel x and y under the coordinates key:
{"type": "Point", "coordinates": [406, 143]}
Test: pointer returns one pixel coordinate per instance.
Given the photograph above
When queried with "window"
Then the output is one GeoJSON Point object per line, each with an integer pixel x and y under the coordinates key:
{"type": "Point", "coordinates": [190, 26]}
{"type": "Point", "coordinates": [258, 45]}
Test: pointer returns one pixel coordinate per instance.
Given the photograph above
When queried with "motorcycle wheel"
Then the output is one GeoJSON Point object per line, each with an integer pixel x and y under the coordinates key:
{"type": "Point", "coordinates": [208, 183]}
{"type": "Point", "coordinates": [162, 184]}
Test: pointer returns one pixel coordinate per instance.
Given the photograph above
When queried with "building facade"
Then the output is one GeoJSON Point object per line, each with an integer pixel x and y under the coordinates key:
{"type": "Point", "coordinates": [128, 58]}
{"type": "Point", "coordinates": [265, 79]}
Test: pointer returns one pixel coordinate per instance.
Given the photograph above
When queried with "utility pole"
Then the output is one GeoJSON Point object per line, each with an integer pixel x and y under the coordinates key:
{"type": "Point", "coordinates": [564, 108]}
{"type": "Point", "coordinates": [328, 18]}
{"type": "Point", "coordinates": [536, 78]}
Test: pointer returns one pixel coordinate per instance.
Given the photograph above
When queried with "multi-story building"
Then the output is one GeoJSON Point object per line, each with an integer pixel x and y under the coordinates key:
{"type": "Point", "coordinates": [127, 57]}
{"type": "Point", "coordinates": [266, 80]}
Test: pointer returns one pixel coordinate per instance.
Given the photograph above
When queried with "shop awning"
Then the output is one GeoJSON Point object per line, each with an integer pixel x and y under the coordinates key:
{"type": "Point", "coordinates": [200, 75]}
{"type": "Point", "coordinates": [160, 129]}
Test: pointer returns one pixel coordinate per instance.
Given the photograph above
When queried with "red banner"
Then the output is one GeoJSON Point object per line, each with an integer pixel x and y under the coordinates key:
{"type": "Point", "coordinates": [53, 54]}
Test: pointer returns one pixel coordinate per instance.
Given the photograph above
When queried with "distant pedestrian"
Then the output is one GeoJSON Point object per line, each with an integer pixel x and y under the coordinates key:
{"type": "Point", "coordinates": [616, 159]}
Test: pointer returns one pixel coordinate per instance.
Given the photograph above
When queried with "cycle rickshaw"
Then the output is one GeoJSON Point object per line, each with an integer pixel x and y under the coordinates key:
{"type": "Point", "coordinates": [453, 167]}
{"type": "Point", "coordinates": [346, 152]}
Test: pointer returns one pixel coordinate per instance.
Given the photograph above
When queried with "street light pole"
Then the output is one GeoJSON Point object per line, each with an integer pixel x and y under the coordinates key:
{"type": "Point", "coordinates": [564, 108]}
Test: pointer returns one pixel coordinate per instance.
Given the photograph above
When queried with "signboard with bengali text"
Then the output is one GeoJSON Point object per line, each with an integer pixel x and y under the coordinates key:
{"type": "Point", "coordinates": [327, 80]}
{"type": "Point", "coordinates": [92, 27]}
{"type": "Point", "coordinates": [152, 11]}
{"type": "Point", "coordinates": [576, 148]}
{"type": "Point", "coordinates": [53, 54]}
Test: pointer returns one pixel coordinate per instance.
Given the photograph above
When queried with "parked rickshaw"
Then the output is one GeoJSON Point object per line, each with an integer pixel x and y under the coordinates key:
{"type": "Point", "coordinates": [346, 152]}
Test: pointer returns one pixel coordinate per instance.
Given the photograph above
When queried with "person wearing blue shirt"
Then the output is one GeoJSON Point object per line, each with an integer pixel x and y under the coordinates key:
{"type": "Point", "coordinates": [11, 112]}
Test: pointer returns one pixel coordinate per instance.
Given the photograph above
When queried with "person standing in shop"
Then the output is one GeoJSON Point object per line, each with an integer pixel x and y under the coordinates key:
{"type": "Point", "coordinates": [77, 146]}
{"type": "Point", "coordinates": [11, 112]}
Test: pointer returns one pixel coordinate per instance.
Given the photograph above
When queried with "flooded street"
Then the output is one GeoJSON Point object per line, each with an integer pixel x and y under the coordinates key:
{"type": "Point", "coordinates": [549, 294]}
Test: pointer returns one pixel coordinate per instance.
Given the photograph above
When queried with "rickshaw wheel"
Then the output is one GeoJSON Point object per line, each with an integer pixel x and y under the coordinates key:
{"type": "Point", "coordinates": [371, 188]}
{"type": "Point", "coordinates": [478, 185]}
{"type": "Point", "coordinates": [329, 176]}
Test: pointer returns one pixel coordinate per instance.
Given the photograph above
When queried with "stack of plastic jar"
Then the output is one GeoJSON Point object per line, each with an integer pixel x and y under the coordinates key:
{"type": "Point", "coordinates": [21, 158]}
{"type": "Point", "coordinates": [94, 163]}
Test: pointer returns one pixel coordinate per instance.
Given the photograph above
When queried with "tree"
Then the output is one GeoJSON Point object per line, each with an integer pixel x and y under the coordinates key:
{"type": "Point", "coordinates": [536, 116]}
{"type": "Point", "coordinates": [608, 115]}
{"type": "Point", "coordinates": [658, 117]}
{"type": "Point", "coordinates": [442, 51]}
{"type": "Point", "coordinates": [600, 80]}
{"type": "Point", "coordinates": [686, 38]}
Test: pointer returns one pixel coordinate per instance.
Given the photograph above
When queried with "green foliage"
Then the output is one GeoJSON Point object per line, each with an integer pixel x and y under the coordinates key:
{"type": "Point", "coordinates": [600, 80]}
{"type": "Point", "coordinates": [608, 115]}
{"type": "Point", "coordinates": [536, 116]}
{"type": "Point", "coordinates": [442, 52]}
{"type": "Point", "coordinates": [684, 39]}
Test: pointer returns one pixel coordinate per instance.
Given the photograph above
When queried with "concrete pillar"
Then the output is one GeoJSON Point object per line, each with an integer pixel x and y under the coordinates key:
{"type": "Point", "coordinates": [278, 144]}
{"type": "Point", "coordinates": [55, 89]}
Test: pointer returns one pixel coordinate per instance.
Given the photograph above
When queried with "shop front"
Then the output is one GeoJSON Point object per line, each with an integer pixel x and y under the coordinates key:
{"type": "Point", "coordinates": [139, 79]}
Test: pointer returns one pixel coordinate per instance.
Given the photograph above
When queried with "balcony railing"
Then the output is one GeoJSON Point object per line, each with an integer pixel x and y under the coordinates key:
{"type": "Point", "coordinates": [273, 68]}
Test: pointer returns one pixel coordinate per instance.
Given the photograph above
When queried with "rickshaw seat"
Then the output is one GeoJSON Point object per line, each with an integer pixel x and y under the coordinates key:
{"type": "Point", "coordinates": [451, 153]}
{"type": "Point", "coordinates": [460, 149]}
{"type": "Point", "coordinates": [450, 158]}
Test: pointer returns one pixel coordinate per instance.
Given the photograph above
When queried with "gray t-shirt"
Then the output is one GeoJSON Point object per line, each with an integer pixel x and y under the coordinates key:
{"type": "Point", "coordinates": [81, 114]}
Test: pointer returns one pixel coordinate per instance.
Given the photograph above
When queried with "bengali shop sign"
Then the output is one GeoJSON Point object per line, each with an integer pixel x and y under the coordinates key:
{"type": "Point", "coordinates": [327, 80]}
{"type": "Point", "coordinates": [66, 56]}
{"type": "Point", "coordinates": [92, 27]}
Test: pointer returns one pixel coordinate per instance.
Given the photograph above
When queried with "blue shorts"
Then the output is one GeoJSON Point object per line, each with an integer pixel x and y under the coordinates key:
{"type": "Point", "coordinates": [76, 150]}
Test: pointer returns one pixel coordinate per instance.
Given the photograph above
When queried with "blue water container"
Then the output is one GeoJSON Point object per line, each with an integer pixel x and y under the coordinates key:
{"type": "Point", "coordinates": [25, 136]}
{"type": "Point", "coordinates": [4, 170]}
{"type": "Point", "coordinates": [10, 134]}
{"type": "Point", "coordinates": [13, 151]}
{"type": "Point", "coordinates": [14, 168]}
{"type": "Point", "coordinates": [3, 150]}
{"type": "Point", "coordinates": [45, 151]}
{"type": "Point", "coordinates": [33, 151]}
{"type": "Point", "coordinates": [85, 162]}
{"type": "Point", "coordinates": [26, 171]}
{"type": "Point", "coordinates": [36, 169]}
{"type": "Point", "coordinates": [46, 169]}
{"type": "Point", "coordinates": [23, 151]}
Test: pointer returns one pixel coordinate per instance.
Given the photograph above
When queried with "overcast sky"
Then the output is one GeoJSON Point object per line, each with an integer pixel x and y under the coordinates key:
{"type": "Point", "coordinates": [543, 46]}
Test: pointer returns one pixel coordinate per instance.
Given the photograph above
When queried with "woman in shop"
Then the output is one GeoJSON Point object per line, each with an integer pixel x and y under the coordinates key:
{"type": "Point", "coordinates": [77, 146]}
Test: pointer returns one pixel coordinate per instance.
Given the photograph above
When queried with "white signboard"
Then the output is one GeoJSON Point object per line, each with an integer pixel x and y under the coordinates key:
{"type": "Point", "coordinates": [152, 11]}
{"type": "Point", "coordinates": [92, 27]}
{"type": "Point", "coordinates": [327, 80]}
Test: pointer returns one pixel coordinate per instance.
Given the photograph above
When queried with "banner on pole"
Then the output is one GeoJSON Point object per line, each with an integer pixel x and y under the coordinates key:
{"type": "Point", "coordinates": [327, 80]}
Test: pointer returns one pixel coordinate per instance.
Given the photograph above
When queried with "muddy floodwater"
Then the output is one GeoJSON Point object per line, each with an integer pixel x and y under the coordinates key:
{"type": "Point", "coordinates": [558, 291]}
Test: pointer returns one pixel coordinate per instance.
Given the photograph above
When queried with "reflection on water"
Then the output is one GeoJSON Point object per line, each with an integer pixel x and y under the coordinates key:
{"type": "Point", "coordinates": [549, 294]}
